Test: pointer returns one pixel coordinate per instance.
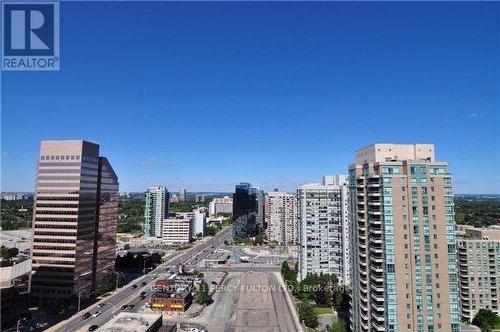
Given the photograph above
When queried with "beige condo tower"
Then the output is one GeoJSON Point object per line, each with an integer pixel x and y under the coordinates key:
{"type": "Point", "coordinates": [404, 275]}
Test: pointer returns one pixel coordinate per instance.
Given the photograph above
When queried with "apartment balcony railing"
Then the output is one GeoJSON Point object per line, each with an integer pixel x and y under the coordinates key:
{"type": "Point", "coordinates": [377, 327]}
{"type": "Point", "coordinates": [377, 283]}
{"type": "Point", "coordinates": [376, 249]}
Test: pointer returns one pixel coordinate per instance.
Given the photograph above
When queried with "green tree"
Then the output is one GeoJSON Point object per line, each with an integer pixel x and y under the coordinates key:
{"type": "Point", "coordinates": [308, 314]}
{"type": "Point", "coordinates": [104, 287]}
{"type": "Point", "coordinates": [486, 320]}
{"type": "Point", "coordinates": [337, 326]}
{"type": "Point", "coordinates": [203, 294]}
{"type": "Point", "coordinates": [8, 253]}
{"type": "Point", "coordinates": [126, 246]}
{"type": "Point", "coordinates": [121, 279]}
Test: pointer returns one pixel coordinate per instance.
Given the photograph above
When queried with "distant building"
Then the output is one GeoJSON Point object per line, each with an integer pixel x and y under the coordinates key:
{"type": "Point", "coordinates": [248, 210]}
{"type": "Point", "coordinates": [155, 211]}
{"type": "Point", "coordinates": [174, 198]}
{"type": "Point", "coordinates": [281, 218]}
{"type": "Point", "coordinates": [75, 219]}
{"type": "Point", "coordinates": [479, 271]}
{"type": "Point", "coordinates": [220, 205]}
{"type": "Point", "coordinates": [324, 238]}
{"type": "Point", "coordinates": [404, 264]}
{"type": "Point", "coordinates": [12, 196]}
{"type": "Point", "coordinates": [182, 194]}
{"type": "Point", "coordinates": [200, 198]}
{"type": "Point", "coordinates": [178, 230]}
{"type": "Point", "coordinates": [136, 322]}
{"type": "Point", "coordinates": [200, 221]}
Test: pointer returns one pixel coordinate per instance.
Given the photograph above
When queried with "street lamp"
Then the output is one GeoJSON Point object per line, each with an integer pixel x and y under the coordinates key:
{"type": "Point", "coordinates": [144, 263]}
{"type": "Point", "coordinates": [79, 299]}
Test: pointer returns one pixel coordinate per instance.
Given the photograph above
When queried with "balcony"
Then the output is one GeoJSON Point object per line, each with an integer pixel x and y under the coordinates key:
{"type": "Point", "coordinates": [378, 278]}
{"type": "Point", "coordinates": [377, 327]}
{"type": "Point", "coordinates": [376, 259]}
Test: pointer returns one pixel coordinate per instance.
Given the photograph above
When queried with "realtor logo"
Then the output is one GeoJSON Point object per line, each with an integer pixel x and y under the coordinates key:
{"type": "Point", "coordinates": [30, 36]}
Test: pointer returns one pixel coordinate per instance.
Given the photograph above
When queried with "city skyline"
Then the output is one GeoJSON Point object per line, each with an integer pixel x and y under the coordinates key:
{"type": "Point", "coordinates": [344, 76]}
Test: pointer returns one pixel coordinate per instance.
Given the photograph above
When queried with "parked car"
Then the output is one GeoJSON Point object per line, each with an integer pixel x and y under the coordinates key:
{"type": "Point", "coordinates": [123, 307]}
{"type": "Point", "coordinates": [100, 305]}
{"type": "Point", "coordinates": [143, 284]}
{"type": "Point", "coordinates": [86, 315]}
{"type": "Point", "coordinates": [97, 313]}
{"type": "Point", "coordinates": [93, 327]}
{"type": "Point", "coordinates": [130, 306]}
{"type": "Point", "coordinates": [134, 286]}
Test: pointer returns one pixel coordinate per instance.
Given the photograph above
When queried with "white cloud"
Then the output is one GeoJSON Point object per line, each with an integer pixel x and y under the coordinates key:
{"type": "Point", "coordinates": [146, 163]}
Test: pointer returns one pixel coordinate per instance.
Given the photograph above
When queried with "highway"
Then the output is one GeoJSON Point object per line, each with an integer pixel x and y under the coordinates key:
{"type": "Point", "coordinates": [110, 306]}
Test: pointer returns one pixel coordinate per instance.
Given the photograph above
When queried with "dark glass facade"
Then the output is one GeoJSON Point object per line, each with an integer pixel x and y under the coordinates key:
{"type": "Point", "coordinates": [247, 210]}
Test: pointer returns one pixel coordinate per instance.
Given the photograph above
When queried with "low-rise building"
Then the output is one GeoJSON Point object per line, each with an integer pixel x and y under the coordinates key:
{"type": "Point", "coordinates": [136, 322]}
{"type": "Point", "coordinates": [479, 270]}
{"type": "Point", "coordinates": [217, 258]}
{"type": "Point", "coordinates": [171, 300]}
{"type": "Point", "coordinates": [177, 230]}
{"type": "Point", "coordinates": [215, 221]}
{"type": "Point", "coordinates": [14, 289]}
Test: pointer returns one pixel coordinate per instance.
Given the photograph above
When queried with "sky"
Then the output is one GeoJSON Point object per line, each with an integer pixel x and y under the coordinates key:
{"type": "Point", "coordinates": [206, 95]}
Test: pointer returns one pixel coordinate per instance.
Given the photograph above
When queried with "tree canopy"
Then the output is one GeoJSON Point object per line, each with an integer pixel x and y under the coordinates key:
{"type": "Point", "coordinates": [486, 320]}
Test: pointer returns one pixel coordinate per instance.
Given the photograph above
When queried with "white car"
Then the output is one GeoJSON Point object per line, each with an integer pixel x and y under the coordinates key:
{"type": "Point", "coordinates": [97, 313]}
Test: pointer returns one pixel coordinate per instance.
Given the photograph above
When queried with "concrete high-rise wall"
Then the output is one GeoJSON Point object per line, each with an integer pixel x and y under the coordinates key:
{"type": "Point", "coordinates": [281, 218]}
{"type": "Point", "coordinates": [404, 275]}
{"type": "Point", "coordinates": [200, 221]}
{"type": "Point", "coordinates": [323, 221]}
{"type": "Point", "coordinates": [478, 271]}
{"type": "Point", "coordinates": [220, 205]}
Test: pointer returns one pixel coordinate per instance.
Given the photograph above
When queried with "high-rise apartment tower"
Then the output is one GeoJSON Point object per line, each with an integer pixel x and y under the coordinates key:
{"type": "Point", "coordinates": [404, 275]}
{"type": "Point", "coordinates": [323, 223]}
{"type": "Point", "coordinates": [155, 211]}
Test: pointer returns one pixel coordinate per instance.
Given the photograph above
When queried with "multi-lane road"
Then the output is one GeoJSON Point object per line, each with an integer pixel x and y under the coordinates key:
{"type": "Point", "coordinates": [130, 295]}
